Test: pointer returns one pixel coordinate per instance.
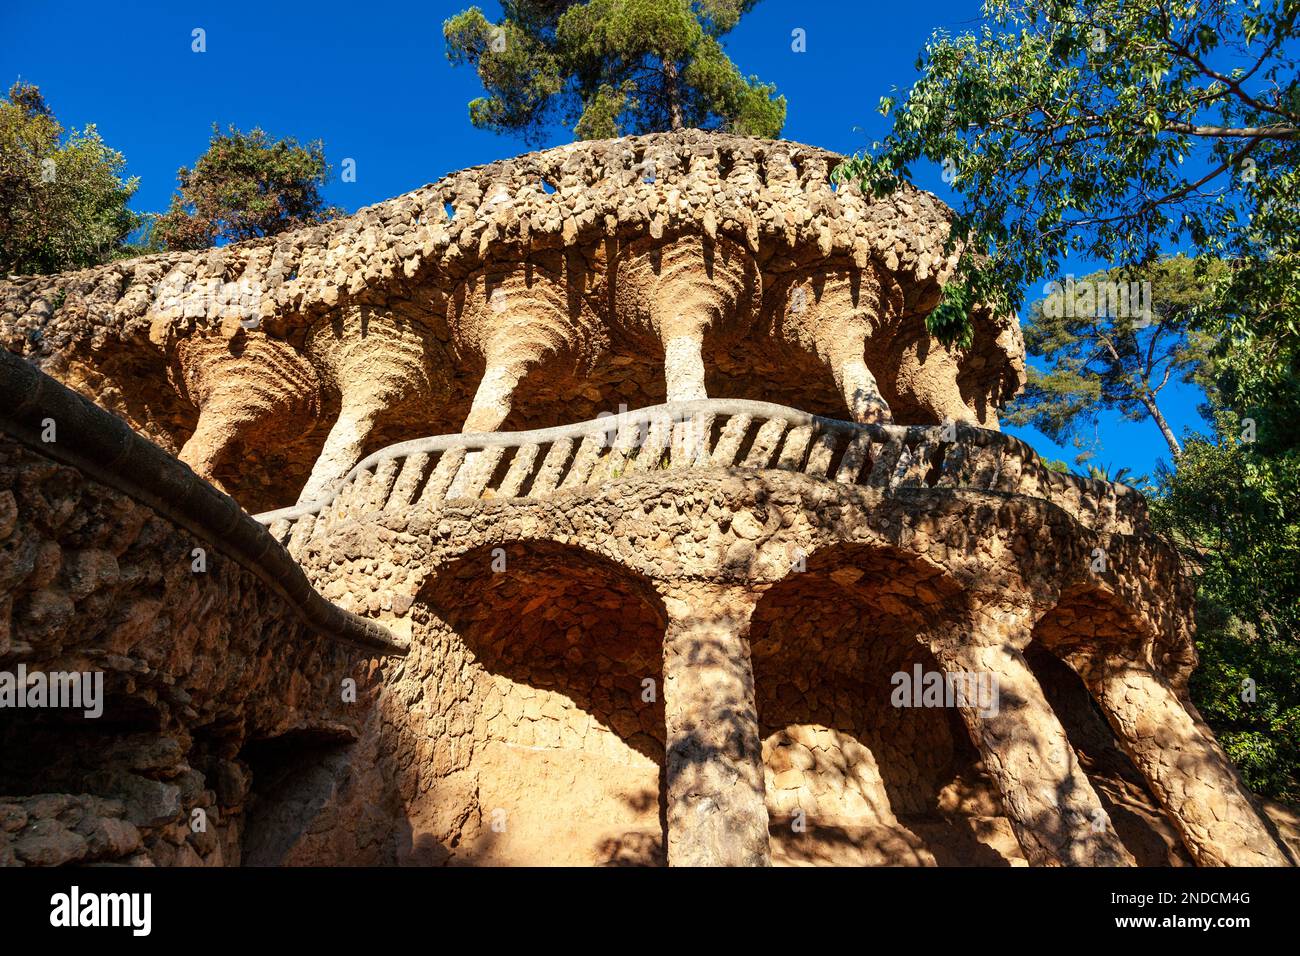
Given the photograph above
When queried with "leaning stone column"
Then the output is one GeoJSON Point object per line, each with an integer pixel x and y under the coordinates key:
{"type": "Point", "coordinates": [495, 395]}
{"type": "Point", "coordinates": [1056, 815]}
{"type": "Point", "coordinates": [836, 315]}
{"type": "Point", "coordinates": [248, 388]}
{"type": "Point", "coordinates": [1182, 763]}
{"type": "Point", "coordinates": [378, 361]}
{"type": "Point", "coordinates": [717, 814]}
{"type": "Point", "coordinates": [855, 381]}
{"type": "Point", "coordinates": [345, 442]}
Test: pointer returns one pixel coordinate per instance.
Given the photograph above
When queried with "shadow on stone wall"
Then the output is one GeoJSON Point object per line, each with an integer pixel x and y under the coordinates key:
{"type": "Point", "coordinates": [529, 715]}
{"type": "Point", "coordinates": [867, 781]}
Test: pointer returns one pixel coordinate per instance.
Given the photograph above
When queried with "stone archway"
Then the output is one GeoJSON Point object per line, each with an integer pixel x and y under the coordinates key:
{"type": "Point", "coordinates": [531, 709]}
{"type": "Point", "coordinates": [871, 783]}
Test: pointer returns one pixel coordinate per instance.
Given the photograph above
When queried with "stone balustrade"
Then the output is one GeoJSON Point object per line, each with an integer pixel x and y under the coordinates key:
{"type": "Point", "coordinates": [708, 433]}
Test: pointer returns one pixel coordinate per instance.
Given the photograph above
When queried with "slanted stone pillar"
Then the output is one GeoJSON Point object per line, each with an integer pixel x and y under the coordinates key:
{"type": "Point", "coordinates": [378, 361]}
{"type": "Point", "coordinates": [345, 443]}
{"type": "Point", "coordinates": [834, 311]}
{"type": "Point", "coordinates": [717, 814]}
{"type": "Point", "coordinates": [495, 395]}
{"type": "Point", "coordinates": [1181, 761]}
{"type": "Point", "coordinates": [855, 381]}
{"type": "Point", "coordinates": [1057, 817]}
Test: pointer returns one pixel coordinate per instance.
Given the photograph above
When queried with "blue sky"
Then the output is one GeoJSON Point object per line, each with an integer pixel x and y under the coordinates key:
{"type": "Point", "coordinates": [371, 80]}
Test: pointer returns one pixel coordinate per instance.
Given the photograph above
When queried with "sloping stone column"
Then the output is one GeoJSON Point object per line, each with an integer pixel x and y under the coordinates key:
{"type": "Point", "coordinates": [854, 380]}
{"type": "Point", "coordinates": [1182, 763]}
{"type": "Point", "coordinates": [1057, 817]}
{"type": "Point", "coordinates": [495, 396]}
{"type": "Point", "coordinates": [255, 391]}
{"type": "Point", "coordinates": [834, 314]}
{"type": "Point", "coordinates": [345, 443]}
{"type": "Point", "coordinates": [378, 361]}
{"type": "Point", "coordinates": [717, 815]}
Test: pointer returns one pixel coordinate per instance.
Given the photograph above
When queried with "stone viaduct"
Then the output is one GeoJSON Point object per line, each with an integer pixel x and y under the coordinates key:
{"type": "Point", "coordinates": [704, 516]}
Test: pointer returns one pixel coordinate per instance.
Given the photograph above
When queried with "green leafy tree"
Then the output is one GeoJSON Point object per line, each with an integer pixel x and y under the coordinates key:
{"type": "Point", "coordinates": [63, 198]}
{"type": "Point", "coordinates": [245, 186]}
{"type": "Point", "coordinates": [611, 67]}
{"type": "Point", "coordinates": [1100, 128]}
{"type": "Point", "coordinates": [1113, 340]}
{"type": "Point", "coordinates": [1246, 689]}
{"type": "Point", "coordinates": [1233, 509]}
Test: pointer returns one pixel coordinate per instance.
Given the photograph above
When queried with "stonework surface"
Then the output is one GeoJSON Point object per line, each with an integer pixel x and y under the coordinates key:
{"type": "Point", "coordinates": [577, 647]}
{"type": "Point", "coordinates": [570, 276]}
{"type": "Point", "coordinates": [875, 783]}
{"type": "Point", "coordinates": [195, 667]}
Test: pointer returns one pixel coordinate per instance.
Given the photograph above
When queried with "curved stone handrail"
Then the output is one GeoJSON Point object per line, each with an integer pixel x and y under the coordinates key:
{"type": "Point", "coordinates": [717, 433]}
{"type": "Point", "coordinates": [108, 450]}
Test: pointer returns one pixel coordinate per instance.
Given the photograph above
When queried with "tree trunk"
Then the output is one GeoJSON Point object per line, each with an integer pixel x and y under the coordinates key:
{"type": "Point", "coordinates": [1147, 398]}
{"type": "Point", "coordinates": [1174, 448]}
{"type": "Point", "coordinates": [672, 91]}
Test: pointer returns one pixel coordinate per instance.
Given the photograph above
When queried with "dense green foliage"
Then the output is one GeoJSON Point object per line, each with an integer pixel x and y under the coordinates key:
{"type": "Point", "coordinates": [245, 186]}
{"type": "Point", "coordinates": [1233, 508]}
{"type": "Point", "coordinates": [63, 198]}
{"type": "Point", "coordinates": [611, 67]}
{"type": "Point", "coordinates": [1233, 504]}
{"type": "Point", "coordinates": [1101, 129]}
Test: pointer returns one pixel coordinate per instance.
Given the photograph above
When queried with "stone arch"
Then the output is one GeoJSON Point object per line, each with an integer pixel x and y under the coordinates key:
{"type": "Point", "coordinates": [1090, 618]}
{"type": "Point", "coordinates": [526, 709]}
{"type": "Point", "coordinates": [877, 784]}
{"type": "Point", "coordinates": [1136, 682]}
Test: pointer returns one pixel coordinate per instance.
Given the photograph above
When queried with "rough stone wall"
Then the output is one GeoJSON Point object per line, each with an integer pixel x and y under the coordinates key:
{"type": "Point", "coordinates": [826, 643]}
{"type": "Point", "coordinates": [519, 729]}
{"type": "Point", "coordinates": [194, 665]}
{"type": "Point", "coordinates": [876, 784]}
{"type": "Point", "coordinates": [650, 664]}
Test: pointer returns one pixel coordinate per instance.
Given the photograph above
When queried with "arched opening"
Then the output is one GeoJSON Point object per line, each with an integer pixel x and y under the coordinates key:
{"type": "Point", "coordinates": [532, 725]}
{"type": "Point", "coordinates": [853, 778]}
{"type": "Point", "coordinates": [300, 809]}
{"type": "Point", "coordinates": [1094, 618]}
